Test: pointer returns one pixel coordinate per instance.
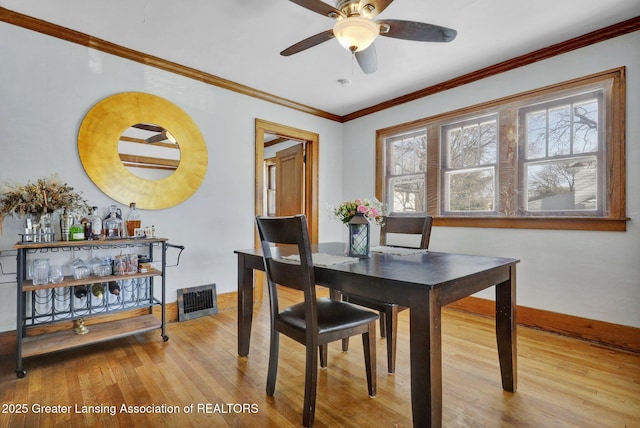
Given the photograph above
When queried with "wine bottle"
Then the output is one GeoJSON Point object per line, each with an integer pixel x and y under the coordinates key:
{"type": "Point", "coordinates": [80, 291]}
{"type": "Point", "coordinates": [114, 288]}
{"type": "Point", "coordinates": [97, 290]}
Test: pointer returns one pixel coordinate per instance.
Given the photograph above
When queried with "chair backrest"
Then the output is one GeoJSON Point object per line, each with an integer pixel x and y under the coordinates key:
{"type": "Point", "coordinates": [289, 273]}
{"type": "Point", "coordinates": [408, 226]}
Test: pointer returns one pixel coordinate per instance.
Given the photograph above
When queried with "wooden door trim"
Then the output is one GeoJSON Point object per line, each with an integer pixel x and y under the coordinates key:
{"type": "Point", "coordinates": [311, 170]}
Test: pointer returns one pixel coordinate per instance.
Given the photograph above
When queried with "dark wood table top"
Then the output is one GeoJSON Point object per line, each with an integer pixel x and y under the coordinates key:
{"type": "Point", "coordinates": [432, 269]}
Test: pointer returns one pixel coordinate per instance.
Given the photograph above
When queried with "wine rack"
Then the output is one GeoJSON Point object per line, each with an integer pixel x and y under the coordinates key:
{"type": "Point", "coordinates": [48, 305]}
{"type": "Point", "coordinates": [39, 306]}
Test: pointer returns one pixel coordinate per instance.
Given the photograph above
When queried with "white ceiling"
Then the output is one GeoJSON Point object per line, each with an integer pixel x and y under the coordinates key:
{"type": "Point", "coordinates": [240, 40]}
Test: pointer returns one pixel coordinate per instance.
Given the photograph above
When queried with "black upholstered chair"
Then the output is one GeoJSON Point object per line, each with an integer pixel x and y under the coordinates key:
{"type": "Point", "coordinates": [389, 311]}
{"type": "Point", "coordinates": [313, 322]}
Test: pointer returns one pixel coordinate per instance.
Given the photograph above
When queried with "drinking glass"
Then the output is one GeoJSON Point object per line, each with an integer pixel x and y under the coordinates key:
{"type": "Point", "coordinates": [40, 271]}
{"type": "Point", "coordinates": [55, 274]}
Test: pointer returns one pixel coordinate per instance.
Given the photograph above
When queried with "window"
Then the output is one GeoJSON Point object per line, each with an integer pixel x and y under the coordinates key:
{"type": "Point", "coordinates": [549, 158]}
{"type": "Point", "coordinates": [560, 147]}
{"type": "Point", "coordinates": [270, 192]}
{"type": "Point", "coordinates": [407, 163]}
{"type": "Point", "coordinates": [469, 167]}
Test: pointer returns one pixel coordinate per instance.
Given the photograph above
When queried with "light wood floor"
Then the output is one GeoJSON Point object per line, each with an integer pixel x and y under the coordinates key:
{"type": "Point", "coordinates": [562, 382]}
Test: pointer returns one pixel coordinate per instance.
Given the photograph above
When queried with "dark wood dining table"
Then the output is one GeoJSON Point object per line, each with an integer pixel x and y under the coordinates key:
{"type": "Point", "coordinates": [424, 282]}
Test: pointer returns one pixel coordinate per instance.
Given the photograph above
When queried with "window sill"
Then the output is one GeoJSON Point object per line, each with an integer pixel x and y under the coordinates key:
{"type": "Point", "coordinates": [553, 223]}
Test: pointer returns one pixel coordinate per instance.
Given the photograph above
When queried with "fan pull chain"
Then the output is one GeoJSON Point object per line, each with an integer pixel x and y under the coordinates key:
{"type": "Point", "coordinates": [353, 61]}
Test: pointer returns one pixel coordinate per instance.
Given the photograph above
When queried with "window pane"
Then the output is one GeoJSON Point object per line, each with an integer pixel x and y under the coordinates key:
{"type": "Point", "coordinates": [471, 190]}
{"type": "Point", "coordinates": [454, 140]}
{"type": "Point", "coordinates": [567, 185]}
{"type": "Point", "coordinates": [536, 123]}
{"type": "Point", "coordinates": [470, 144]}
{"type": "Point", "coordinates": [488, 142]}
{"type": "Point", "coordinates": [408, 193]}
{"type": "Point", "coordinates": [409, 155]}
{"type": "Point", "coordinates": [585, 127]}
{"type": "Point", "coordinates": [560, 131]}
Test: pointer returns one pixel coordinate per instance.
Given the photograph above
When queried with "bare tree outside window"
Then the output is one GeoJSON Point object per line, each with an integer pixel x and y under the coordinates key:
{"type": "Point", "coordinates": [558, 175]}
{"type": "Point", "coordinates": [407, 162]}
{"type": "Point", "coordinates": [469, 176]}
{"type": "Point", "coordinates": [547, 158]}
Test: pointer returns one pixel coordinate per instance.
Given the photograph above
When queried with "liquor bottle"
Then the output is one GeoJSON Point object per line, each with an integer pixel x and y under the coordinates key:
{"type": "Point", "coordinates": [66, 220]}
{"type": "Point", "coordinates": [80, 291]}
{"type": "Point", "coordinates": [133, 220]}
{"type": "Point", "coordinates": [113, 228]}
{"type": "Point", "coordinates": [76, 232]}
{"type": "Point", "coordinates": [84, 221]}
{"type": "Point", "coordinates": [97, 290]}
{"type": "Point", "coordinates": [116, 210]}
{"type": "Point", "coordinates": [114, 288]}
{"type": "Point", "coordinates": [95, 224]}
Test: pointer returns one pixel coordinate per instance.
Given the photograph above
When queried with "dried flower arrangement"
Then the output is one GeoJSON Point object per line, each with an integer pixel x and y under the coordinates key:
{"type": "Point", "coordinates": [46, 195]}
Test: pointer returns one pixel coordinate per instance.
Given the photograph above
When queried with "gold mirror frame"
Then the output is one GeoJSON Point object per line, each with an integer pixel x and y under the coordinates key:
{"type": "Point", "coordinates": [98, 139]}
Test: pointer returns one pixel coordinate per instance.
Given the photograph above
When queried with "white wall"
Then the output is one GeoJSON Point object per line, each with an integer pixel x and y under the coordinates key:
{"type": "Point", "coordinates": [46, 88]}
{"type": "Point", "coordinates": [594, 275]}
{"type": "Point", "coordinates": [48, 85]}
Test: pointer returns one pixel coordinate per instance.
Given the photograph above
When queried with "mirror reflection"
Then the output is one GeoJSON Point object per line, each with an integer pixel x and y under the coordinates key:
{"type": "Point", "coordinates": [149, 151]}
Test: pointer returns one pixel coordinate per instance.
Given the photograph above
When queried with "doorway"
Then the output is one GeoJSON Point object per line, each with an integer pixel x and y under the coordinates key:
{"type": "Point", "coordinates": [310, 141]}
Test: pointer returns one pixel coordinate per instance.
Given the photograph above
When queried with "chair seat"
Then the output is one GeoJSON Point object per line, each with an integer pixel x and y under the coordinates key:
{"type": "Point", "coordinates": [333, 316]}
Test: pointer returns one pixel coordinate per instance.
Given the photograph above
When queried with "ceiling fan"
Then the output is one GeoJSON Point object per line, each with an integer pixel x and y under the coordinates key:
{"type": "Point", "coordinates": [356, 30]}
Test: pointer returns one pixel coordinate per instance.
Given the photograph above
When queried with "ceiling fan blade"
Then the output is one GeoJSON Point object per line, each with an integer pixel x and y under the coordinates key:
{"type": "Point", "coordinates": [319, 7]}
{"type": "Point", "coordinates": [368, 59]}
{"type": "Point", "coordinates": [308, 43]}
{"type": "Point", "coordinates": [418, 31]}
{"type": "Point", "coordinates": [156, 138]}
{"type": "Point", "coordinates": [378, 6]}
{"type": "Point", "coordinates": [148, 127]}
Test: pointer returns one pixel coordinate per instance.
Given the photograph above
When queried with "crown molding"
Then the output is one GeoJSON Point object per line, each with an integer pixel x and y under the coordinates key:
{"type": "Point", "coordinates": [89, 41]}
{"type": "Point", "coordinates": [83, 39]}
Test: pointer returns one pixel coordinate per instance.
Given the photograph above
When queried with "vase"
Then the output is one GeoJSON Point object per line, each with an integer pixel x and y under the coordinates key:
{"type": "Point", "coordinates": [359, 236]}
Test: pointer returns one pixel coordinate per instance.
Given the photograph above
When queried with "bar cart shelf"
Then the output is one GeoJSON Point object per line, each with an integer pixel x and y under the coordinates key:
{"type": "Point", "coordinates": [60, 305]}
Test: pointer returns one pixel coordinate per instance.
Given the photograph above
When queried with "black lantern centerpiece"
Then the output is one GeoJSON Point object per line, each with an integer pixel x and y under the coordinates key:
{"type": "Point", "coordinates": [356, 215]}
{"type": "Point", "coordinates": [359, 236]}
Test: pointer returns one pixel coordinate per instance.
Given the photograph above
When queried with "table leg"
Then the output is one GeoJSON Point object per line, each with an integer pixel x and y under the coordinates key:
{"type": "Point", "coordinates": [245, 306]}
{"type": "Point", "coordinates": [426, 360]}
{"type": "Point", "coordinates": [506, 331]}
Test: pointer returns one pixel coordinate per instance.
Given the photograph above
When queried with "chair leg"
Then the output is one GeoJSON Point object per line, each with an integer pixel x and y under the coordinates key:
{"type": "Point", "coordinates": [310, 386]}
{"type": "Point", "coordinates": [345, 344]}
{"type": "Point", "coordinates": [323, 355]}
{"type": "Point", "coordinates": [272, 372]}
{"type": "Point", "coordinates": [383, 324]}
{"type": "Point", "coordinates": [369, 345]}
{"type": "Point", "coordinates": [392, 337]}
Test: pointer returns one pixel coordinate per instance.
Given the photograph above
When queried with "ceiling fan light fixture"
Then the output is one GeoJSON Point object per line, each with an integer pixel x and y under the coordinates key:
{"type": "Point", "coordinates": [355, 33]}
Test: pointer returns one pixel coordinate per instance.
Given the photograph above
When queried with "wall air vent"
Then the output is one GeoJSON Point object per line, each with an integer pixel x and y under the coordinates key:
{"type": "Point", "coordinates": [196, 302]}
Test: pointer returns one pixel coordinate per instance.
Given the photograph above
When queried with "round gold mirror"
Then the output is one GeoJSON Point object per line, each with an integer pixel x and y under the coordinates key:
{"type": "Point", "coordinates": [114, 119]}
